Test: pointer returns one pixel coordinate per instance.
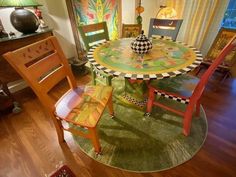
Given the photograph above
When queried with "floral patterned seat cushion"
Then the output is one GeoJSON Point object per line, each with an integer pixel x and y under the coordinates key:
{"type": "Point", "coordinates": [83, 106]}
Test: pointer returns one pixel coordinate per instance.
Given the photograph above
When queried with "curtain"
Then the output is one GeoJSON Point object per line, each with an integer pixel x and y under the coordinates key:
{"type": "Point", "coordinates": [198, 16]}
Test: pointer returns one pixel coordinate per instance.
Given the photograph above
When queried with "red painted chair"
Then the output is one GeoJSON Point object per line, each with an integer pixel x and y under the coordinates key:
{"type": "Point", "coordinates": [185, 89]}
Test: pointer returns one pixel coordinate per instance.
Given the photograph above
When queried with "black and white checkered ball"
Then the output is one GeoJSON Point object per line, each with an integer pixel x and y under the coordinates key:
{"type": "Point", "coordinates": [141, 44]}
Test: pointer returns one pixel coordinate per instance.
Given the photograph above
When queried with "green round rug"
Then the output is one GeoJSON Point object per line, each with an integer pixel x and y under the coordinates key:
{"type": "Point", "coordinates": [136, 143]}
{"type": "Point", "coordinates": [133, 142]}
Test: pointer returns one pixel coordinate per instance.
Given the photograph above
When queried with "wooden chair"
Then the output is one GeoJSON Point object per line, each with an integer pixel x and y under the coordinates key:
{"type": "Point", "coordinates": [131, 30]}
{"type": "Point", "coordinates": [222, 38]}
{"type": "Point", "coordinates": [43, 65]}
{"type": "Point", "coordinates": [164, 27]}
{"type": "Point", "coordinates": [185, 89]}
{"type": "Point", "coordinates": [92, 34]}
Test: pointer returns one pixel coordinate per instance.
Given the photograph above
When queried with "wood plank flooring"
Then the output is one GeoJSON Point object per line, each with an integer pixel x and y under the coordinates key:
{"type": "Point", "coordinates": [29, 146]}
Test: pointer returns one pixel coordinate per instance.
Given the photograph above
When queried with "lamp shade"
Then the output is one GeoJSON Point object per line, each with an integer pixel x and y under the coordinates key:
{"type": "Point", "coordinates": [166, 13]}
{"type": "Point", "coordinates": [19, 3]}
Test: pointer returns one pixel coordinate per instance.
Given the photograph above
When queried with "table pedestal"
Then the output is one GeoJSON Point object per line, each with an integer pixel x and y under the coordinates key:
{"type": "Point", "coordinates": [130, 92]}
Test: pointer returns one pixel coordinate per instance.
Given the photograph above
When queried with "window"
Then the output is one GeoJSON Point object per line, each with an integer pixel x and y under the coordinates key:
{"type": "Point", "coordinates": [229, 20]}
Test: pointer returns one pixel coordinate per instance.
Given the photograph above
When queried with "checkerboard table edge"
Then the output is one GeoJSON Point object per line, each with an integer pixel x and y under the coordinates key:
{"type": "Point", "coordinates": [187, 69]}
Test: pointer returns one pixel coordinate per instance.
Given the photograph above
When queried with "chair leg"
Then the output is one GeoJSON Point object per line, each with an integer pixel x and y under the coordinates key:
{"type": "Point", "coordinates": [110, 107]}
{"type": "Point", "coordinates": [188, 119]}
{"type": "Point", "coordinates": [95, 140]}
{"type": "Point", "coordinates": [108, 80]}
{"type": "Point", "coordinates": [93, 75]}
{"type": "Point", "coordinates": [60, 131]}
{"type": "Point", "coordinates": [57, 124]}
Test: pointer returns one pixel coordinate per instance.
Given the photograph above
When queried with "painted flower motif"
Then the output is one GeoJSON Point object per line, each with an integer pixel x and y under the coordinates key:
{"type": "Point", "coordinates": [90, 15]}
{"type": "Point", "coordinates": [107, 16]}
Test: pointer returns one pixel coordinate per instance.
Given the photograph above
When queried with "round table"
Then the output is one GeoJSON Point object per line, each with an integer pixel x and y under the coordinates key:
{"type": "Point", "coordinates": [166, 59]}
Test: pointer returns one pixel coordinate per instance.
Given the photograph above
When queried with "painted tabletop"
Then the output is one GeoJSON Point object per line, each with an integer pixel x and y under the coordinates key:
{"type": "Point", "coordinates": [166, 59]}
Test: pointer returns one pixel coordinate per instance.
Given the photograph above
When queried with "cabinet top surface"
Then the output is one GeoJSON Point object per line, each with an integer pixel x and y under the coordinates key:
{"type": "Point", "coordinates": [20, 35]}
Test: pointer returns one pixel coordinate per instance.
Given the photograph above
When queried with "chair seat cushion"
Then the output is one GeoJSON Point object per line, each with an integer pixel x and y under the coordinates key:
{"type": "Point", "coordinates": [182, 85]}
{"type": "Point", "coordinates": [84, 105]}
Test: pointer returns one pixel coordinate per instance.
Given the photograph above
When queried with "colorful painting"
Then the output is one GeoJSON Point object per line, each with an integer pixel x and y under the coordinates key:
{"type": "Point", "coordinates": [222, 38]}
{"type": "Point", "coordinates": [166, 56]}
{"type": "Point", "coordinates": [94, 11]}
{"type": "Point", "coordinates": [131, 30]}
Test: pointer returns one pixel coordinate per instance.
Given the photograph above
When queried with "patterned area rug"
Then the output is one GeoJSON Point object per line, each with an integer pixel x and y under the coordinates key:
{"type": "Point", "coordinates": [136, 143]}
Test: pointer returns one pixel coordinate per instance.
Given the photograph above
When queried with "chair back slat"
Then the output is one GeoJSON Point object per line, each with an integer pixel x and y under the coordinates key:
{"type": "Point", "coordinates": [93, 27]}
{"type": "Point", "coordinates": [205, 77]}
{"type": "Point", "coordinates": [99, 37]}
{"type": "Point", "coordinates": [28, 55]}
{"type": "Point", "coordinates": [166, 22]}
{"type": "Point", "coordinates": [43, 65]}
{"type": "Point", "coordinates": [93, 33]}
{"type": "Point", "coordinates": [164, 27]}
{"type": "Point", "coordinates": [47, 82]}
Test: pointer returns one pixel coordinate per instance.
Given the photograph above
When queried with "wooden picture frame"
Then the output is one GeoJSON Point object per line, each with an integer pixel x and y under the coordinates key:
{"type": "Point", "coordinates": [131, 30]}
{"type": "Point", "coordinates": [74, 19]}
{"type": "Point", "coordinates": [222, 38]}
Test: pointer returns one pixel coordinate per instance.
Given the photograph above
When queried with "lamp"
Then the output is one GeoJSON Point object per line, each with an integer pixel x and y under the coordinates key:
{"type": "Point", "coordinates": [166, 13]}
{"type": "Point", "coordinates": [22, 20]}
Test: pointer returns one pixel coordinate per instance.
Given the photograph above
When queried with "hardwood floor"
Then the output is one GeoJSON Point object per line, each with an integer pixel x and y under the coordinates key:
{"type": "Point", "coordinates": [29, 146]}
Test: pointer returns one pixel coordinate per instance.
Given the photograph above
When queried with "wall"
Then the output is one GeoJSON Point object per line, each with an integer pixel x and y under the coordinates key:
{"type": "Point", "coordinates": [5, 18]}
{"type": "Point", "coordinates": [128, 11]}
{"type": "Point", "coordinates": [150, 10]}
{"type": "Point", "coordinates": [56, 16]}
